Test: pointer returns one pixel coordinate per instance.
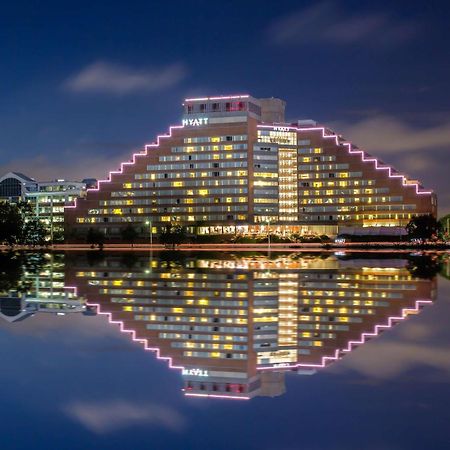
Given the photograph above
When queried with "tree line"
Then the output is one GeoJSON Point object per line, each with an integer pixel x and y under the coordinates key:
{"type": "Point", "coordinates": [20, 226]}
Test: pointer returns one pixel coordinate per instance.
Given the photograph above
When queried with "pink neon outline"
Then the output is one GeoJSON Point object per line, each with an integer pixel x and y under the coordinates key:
{"type": "Point", "coordinates": [231, 397]}
{"type": "Point", "coordinates": [157, 351]}
{"type": "Point", "coordinates": [129, 163]}
{"type": "Point", "coordinates": [224, 97]}
{"type": "Point", "coordinates": [134, 338]}
{"type": "Point", "coordinates": [364, 336]}
{"type": "Point", "coordinates": [405, 181]}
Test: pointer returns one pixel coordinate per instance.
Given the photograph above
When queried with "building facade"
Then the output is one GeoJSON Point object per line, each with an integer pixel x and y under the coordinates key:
{"type": "Point", "coordinates": [14, 186]}
{"type": "Point", "coordinates": [234, 325]}
{"type": "Point", "coordinates": [234, 166]}
{"type": "Point", "coordinates": [39, 290]}
{"type": "Point", "coordinates": [47, 198]}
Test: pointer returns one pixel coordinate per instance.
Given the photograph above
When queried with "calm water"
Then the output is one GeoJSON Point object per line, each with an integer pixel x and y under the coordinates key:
{"type": "Point", "coordinates": [291, 351]}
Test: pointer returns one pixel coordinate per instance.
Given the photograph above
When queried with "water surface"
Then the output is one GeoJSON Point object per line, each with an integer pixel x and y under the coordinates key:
{"type": "Point", "coordinates": [224, 351]}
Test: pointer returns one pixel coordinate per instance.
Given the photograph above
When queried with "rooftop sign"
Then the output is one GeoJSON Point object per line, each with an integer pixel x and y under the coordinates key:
{"type": "Point", "coordinates": [195, 122]}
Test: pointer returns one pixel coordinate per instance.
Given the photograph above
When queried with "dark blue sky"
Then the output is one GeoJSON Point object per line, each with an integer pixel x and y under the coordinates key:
{"type": "Point", "coordinates": [84, 83]}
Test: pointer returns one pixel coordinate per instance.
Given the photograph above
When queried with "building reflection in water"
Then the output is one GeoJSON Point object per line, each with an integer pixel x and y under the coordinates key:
{"type": "Point", "coordinates": [234, 325]}
{"type": "Point", "coordinates": [35, 284]}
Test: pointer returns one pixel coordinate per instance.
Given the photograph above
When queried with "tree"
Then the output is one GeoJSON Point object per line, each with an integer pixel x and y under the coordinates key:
{"type": "Point", "coordinates": [11, 224]}
{"type": "Point", "coordinates": [173, 235]}
{"type": "Point", "coordinates": [34, 232]}
{"type": "Point", "coordinates": [19, 225]}
{"type": "Point", "coordinates": [95, 237]}
{"type": "Point", "coordinates": [423, 227]}
{"type": "Point", "coordinates": [445, 226]}
{"type": "Point", "coordinates": [129, 234]}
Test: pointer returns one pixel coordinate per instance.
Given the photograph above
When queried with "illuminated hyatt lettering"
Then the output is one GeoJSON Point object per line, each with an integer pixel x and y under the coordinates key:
{"type": "Point", "coordinates": [195, 122]}
{"type": "Point", "coordinates": [195, 372]}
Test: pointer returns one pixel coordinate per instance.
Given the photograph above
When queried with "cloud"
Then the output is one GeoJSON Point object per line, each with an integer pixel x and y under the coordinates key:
{"type": "Point", "coordinates": [419, 342]}
{"type": "Point", "coordinates": [70, 164]}
{"type": "Point", "coordinates": [397, 358]}
{"type": "Point", "coordinates": [104, 77]}
{"type": "Point", "coordinates": [393, 135]}
{"type": "Point", "coordinates": [419, 151]}
{"type": "Point", "coordinates": [325, 22]}
{"type": "Point", "coordinates": [106, 417]}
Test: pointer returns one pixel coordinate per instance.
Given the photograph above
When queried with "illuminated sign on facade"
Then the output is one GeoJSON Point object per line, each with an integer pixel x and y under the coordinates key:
{"type": "Point", "coordinates": [195, 122]}
{"type": "Point", "coordinates": [196, 372]}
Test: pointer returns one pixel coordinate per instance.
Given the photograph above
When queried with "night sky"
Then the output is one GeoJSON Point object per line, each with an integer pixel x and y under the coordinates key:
{"type": "Point", "coordinates": [82, 84]}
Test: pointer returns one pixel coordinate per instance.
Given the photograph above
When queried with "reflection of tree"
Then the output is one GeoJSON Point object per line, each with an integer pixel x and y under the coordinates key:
{"type": "Point", "coordinates": [95, 258]}
{"type": "Point", "coordinates": [173, 259]}
{"type": "Point", "coordinates": [445, 267]}
{"type": "Point", "coordinates": [14, 266]}
{"type": "Point", "coordinates": [424, 266]}
{"type": "Point", "coordinates": [129, 260]}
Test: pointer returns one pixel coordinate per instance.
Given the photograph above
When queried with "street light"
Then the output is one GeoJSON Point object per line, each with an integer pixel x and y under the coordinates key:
{"type": "Point", "coordinates": [149, 223]}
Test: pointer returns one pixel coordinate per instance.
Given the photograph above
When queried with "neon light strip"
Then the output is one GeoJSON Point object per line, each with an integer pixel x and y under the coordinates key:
{"type": "Point", "coordinates": [157, 351]}
{"type": "Point", "coordinates": [231, 397]}
{"type": "Point", "coordinates": [130, 163]}
{"type": "Point", "coordinates": [378, 328]}
{"type": "Point", "coordinates": [405, 181]}
{"type": "Point", "coordinates": [134, 338]}
{"type": "Point", "coordinates": [364, 336]}
{"type": "Point", "coordinates": [226, 97]}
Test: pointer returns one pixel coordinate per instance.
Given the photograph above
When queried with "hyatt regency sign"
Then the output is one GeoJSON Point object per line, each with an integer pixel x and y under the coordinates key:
{"type": "Point", "coordinates": [195, 122]}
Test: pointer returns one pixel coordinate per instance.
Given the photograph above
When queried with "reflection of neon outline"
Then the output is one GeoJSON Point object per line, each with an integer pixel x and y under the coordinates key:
{"type": "Point", "coordinates": [322, 364]}
{"type": "Point", "coordinates": [155, 350]}
{"type": "Point", "coordinates": [129, 163]}
{"type": "Point", "coordinates": [350, 150]}
{"type": "Point", "coordinates": [363, 339]}
{"type": "Point", "coordinates": [232, 397]}
{"type": "Point", "coordinates": [336, 356]}
{"type": "Point", "coordinates": [226, 97]}
{"type": "Point", "coordinates": [133, 336]}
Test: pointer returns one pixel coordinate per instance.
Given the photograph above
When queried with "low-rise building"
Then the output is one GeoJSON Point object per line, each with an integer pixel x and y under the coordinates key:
{"type": "Point", "coordinates": [47, 198]}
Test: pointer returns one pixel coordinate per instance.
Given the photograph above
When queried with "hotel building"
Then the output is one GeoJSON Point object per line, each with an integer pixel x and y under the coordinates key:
{"type": "Point", "coordinates": [233, 326]}
{"type": "Point", "coordinates": [234, 165]}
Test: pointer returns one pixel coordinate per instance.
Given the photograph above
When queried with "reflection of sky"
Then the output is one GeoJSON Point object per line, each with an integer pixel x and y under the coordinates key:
{"type": "Point", "coordinates": [76, 382]}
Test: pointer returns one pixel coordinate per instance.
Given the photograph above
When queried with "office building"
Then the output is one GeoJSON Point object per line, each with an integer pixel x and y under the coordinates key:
{"type": "Point", "coordinates": [47, 198]}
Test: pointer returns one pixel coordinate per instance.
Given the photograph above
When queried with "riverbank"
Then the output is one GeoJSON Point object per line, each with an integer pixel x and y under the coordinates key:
{"type": "Point", "coordinates": [298, 247]}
